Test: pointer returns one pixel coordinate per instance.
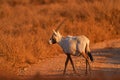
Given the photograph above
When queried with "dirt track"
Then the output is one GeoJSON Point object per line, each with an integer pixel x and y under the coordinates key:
{"type": "Point", "coordinates": [106, 65]}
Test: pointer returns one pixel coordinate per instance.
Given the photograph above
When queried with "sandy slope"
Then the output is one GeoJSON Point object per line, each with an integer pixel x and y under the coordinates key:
{"type": "Point", "coordinates": [106, 65]}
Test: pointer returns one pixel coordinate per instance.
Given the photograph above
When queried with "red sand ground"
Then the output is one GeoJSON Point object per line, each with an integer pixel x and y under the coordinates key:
{"type": "Point", "coordinates": [106, 66]}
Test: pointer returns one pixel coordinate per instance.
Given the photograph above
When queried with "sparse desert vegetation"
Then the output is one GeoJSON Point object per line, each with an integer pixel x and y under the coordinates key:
{"type": "Point", "coordinates": [26, 26]}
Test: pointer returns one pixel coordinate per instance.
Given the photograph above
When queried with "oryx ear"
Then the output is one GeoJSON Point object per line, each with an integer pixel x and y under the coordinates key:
{"type": "Point", "coordinates": [58, 32]}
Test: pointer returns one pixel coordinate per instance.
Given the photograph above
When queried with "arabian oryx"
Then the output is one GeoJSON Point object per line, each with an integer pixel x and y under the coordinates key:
{"type": "Point", "coordinates": [73, 45]}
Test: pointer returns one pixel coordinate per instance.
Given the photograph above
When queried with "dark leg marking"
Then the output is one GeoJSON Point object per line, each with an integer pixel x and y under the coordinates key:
{"type": "Point", "coordinates": [66, 62]}
{"type": "Point", "coordinates": [86, 66]}
{"type": "Point", "coordinates": [87, 61]}
{"type": "Point", "coordinates": [72, 64]}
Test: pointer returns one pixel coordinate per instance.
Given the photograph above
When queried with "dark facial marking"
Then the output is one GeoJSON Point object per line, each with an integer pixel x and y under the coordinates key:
{"type": "Point", "coordinates": [53, 40]}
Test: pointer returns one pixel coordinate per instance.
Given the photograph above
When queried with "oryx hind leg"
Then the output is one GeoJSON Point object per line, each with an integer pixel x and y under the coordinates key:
{"type": "Point", "coordinates": [86, 67]}
{"type": "Point", "coordinates": [87, 62]}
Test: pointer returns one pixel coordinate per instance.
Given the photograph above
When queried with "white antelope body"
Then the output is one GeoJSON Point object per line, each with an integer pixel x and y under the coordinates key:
{"type": "Point", "coordinates": [73, 45]}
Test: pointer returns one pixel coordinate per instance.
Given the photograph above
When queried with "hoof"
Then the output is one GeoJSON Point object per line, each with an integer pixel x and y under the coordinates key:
{"type": "Point", "coordinates": [63, 73]}
{"type": "Point", "coordinates": [75, 72]}
{"type": "Point", "coordinates": [86, 73]}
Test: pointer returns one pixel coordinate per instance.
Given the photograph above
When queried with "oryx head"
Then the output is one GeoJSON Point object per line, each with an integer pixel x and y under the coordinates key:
{"type": "Point", "coordinates": [56, 36]}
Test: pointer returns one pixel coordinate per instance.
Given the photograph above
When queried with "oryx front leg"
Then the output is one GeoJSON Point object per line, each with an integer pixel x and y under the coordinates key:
{"type": "Point", "coordinates": [66, 62]}
{"type": "Point", "coordinates": [72, 64]}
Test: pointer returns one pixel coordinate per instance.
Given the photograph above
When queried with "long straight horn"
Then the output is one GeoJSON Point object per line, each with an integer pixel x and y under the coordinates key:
{"type": "Point", "coordinates": [60, 25]}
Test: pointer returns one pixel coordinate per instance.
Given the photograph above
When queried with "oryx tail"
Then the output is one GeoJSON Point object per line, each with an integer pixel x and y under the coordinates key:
{"type": "Point", "coordinates": [88, 52]}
